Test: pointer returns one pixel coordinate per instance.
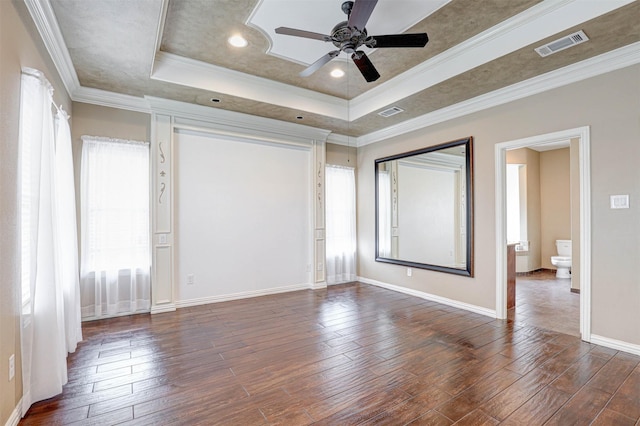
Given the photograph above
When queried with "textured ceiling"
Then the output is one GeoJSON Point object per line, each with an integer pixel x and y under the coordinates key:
{"type": "Point", "coordinates": [113, 43]}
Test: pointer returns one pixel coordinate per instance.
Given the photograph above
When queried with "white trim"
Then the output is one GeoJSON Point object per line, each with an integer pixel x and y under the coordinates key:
{"type": "Point", "coordinates": [432, 297]}
{"type": "Point", "coordinates": [192, 73]}
{"type": "Point", "coordinates": [243, 295]}
{"type": "Point", "coordinates": [45, 19]}
{"type": "Point", "coordinates": [161, 309]}
{"type": "Point", "coordinates": [582, 134]}
{"type": "Point", "coordinates": [318, 286]}
{"type": "Point", "coordinates": [618, 345]}
{"type": "Point", "coordinates": [159, 32]}
{"type": "Point", "coordinates": [592, 67]}
{"type": "Point", "coordinates": [15, 416]}
{"type": "Point", "coordinates": [234, 123]}
{"type": "Point", "coordinates": [89, 95]}
{"type": "Point", "coordinates": [534, 24]}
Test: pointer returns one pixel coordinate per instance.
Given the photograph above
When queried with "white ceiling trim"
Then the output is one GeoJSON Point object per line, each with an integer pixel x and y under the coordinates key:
{"type": "Point", "coordinates": [45, 19]}
{"type": "Point", "coordinates": [536, 23]}
{"type": "Point", "coordinates": [159, 32]}
{"type": "Point", "coordinates": [89, 95]}
{"type": "Point", "coordinates": [189, 72]}
{"type": "Point", "coordinates": [47, 26]}
{"type": "Point", "coordinates": [235, 123]}
{"type": "Point", "coordinates": [602, 64]}
{"type": "Point", "coordinates": [388, 17]}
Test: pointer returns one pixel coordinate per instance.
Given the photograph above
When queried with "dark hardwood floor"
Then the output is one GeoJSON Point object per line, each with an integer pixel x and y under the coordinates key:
{"type": "Point", "coordinates": [351, 354]}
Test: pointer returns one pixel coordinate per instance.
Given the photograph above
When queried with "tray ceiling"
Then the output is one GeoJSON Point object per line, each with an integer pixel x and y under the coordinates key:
{"type": "Point", "coordinates": [178, 50]}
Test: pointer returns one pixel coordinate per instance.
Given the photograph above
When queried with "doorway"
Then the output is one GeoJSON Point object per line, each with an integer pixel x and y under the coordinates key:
{"type": "Point", "coordinates": [581, 136]}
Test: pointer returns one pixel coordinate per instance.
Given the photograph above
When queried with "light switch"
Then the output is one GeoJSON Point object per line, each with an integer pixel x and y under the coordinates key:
{"type": "Point", "coordinates": [620, 201]}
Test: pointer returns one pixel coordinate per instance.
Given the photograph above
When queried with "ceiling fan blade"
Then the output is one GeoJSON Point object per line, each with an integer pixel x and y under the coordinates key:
{"type": "Point", "coordinates": [360, 13]}
{"type": "Point", "coordinates": [365, 66]}
{"type": "Point", "coordinates": [400, 40]}
{"type": "Point", "coordinates": [319, 63]}
{"type": "Point", "coordinates": [302, 33]}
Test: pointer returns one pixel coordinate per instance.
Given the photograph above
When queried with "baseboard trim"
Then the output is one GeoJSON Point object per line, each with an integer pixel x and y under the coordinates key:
{"type": "Point", "coordinates": [615, 344]}
{"type": "Point", "coordinates": [318, 286]}
{"type": "Point", "coordinates": [161, 309]}
{"type": "Point", "coordinates": [575, 290]}
{"type": "Point", "coordinates": [15, 416]}
{"type": "Point", "coordinates": [432, 297]}
{"type": "Point", "coordinates": [244, 295]}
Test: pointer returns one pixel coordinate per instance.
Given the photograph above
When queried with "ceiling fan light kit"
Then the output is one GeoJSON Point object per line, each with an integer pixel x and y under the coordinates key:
{"type": "Point", "coordinates": [350, 35]}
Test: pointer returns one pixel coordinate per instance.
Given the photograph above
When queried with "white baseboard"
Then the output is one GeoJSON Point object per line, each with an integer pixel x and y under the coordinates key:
{"type": "Point", "coordinates": [160, 309]}
{"type": "Point", "coordinates": [15, 416]}
{"type": "Point", "coordinates": [244, 295]}
{"type": "Point", "coordinates": [318, 286]}
{"type": "Point", "coordinates": [615, 344]}
{"type": "Point", "coordinates": [439, 299]}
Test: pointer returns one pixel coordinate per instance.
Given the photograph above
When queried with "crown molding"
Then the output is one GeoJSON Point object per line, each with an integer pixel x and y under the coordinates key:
{"type": "Point", "coordinates": [233, 123]}
{"type": "Point", "coordinates": [239, 84]}
{"type": "Point", "coordinates": [159, 32]}
{"type": "Point", "coordinates": [45, 20]}
{"type": "Point", "coordinates": [540, 21]}
{"type": "Point", "coordinates": [607, 62]}
{"type": "Point", "coordinates": [190, 72]}
{"type": "Point", "coordinates": [89, 95]}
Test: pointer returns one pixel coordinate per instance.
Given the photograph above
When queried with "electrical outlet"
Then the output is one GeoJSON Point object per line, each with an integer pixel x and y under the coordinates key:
{"type": "Point", "coordinates": [191, 280]}
{"type": "Point", "coordinates": [12, 367]}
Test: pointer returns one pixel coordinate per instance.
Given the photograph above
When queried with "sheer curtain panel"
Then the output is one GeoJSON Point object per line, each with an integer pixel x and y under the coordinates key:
{"type": "Point", "coordinates": [68, 229]}
{"type": "Point", "coordinates": [115, 262]}
{"type": "Point", "coordinates": [340, 224]}
{"type": "Point", "coordinates": [46, 194]}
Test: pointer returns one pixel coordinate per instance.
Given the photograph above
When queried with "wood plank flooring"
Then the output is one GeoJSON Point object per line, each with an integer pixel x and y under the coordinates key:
{"type": "Point", "coordinates": [350, 354]}
{"type": "Point", "coordinates": [544, 301]}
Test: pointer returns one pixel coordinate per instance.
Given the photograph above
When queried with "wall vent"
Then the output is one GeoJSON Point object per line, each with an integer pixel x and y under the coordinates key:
{"type": "Point", "coordinates": [561, 44]}
{"type": "Point", "coordinates": [391, 111]}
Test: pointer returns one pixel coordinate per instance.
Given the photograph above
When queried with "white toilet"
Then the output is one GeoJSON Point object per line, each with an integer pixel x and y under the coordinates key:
{"type": "Point", "coordinates": [563, 260]}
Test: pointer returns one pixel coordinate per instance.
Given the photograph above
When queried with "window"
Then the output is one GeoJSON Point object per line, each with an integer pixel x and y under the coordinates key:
{"type": "Point", "coordinates": [115, 262]}
{"type": "Point", "coordinates": [341, 224]}
{"type": "Point", "coordinates": [517, 205]}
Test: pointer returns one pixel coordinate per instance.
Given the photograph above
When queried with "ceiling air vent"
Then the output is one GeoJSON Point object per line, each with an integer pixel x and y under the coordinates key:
{"type": "Point", "coordinates": [561, 44]}
{"type": "Point", "coordinates": [391, 111]}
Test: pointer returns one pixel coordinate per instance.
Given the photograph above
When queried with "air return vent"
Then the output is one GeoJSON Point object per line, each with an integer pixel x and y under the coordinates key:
{"type": "Point", "coordinates": [391, 111]}
{"type": "Point", "coordinates": [561, 44]}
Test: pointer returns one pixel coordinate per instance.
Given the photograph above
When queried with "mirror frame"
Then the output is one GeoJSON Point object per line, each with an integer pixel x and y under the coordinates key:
{"type": "Point", "coordinates": [468, 271]}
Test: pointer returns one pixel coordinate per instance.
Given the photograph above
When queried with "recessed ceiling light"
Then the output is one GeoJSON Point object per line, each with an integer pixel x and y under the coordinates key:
{"type": "Point", "coordinates": [215, 100]}
{"type": "Point", "coordinates": [238, 41]}
{"type": "Point", "coordinates": [337, 73]}
{"type": "Point", "coordinates": [299, 117]}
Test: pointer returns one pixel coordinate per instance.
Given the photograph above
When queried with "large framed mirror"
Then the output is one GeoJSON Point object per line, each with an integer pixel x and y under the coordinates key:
{"type": "Point", "coordinates": [424, 208]}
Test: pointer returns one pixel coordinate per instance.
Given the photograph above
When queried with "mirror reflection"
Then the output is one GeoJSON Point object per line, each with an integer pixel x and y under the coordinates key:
{"type": "Point", "coordinates": [424, 208]}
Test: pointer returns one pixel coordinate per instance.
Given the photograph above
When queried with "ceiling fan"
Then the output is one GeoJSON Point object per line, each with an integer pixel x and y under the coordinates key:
{"type": "Point", "coordinates": [350, 35]}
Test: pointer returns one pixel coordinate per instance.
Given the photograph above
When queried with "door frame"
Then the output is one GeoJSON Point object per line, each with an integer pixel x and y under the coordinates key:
{"type": "Point", "coordinates": [582, 134]}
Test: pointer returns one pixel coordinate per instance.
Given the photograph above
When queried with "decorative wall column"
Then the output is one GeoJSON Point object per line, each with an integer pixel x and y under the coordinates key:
{"type": "Point", "coordinates": [319, 156]}
{"type": "Point", "coordinates": [162, 294]}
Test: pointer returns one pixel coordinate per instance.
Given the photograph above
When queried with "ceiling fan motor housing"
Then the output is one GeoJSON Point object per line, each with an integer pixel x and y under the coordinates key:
{"type": "Point", "coordinates": [347, 39]}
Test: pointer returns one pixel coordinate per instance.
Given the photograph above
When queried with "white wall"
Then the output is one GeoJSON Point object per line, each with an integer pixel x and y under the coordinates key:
{"type": "Point", "coordinates": [243, 217]}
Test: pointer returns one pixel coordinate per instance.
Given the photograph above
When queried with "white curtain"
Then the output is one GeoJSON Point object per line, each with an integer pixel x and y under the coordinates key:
{"type": "Point", "coordinates": [45, 338]}
{"type": "Point", "coordinates": [340, 224]}
{"type": "Point", "coordinates": [67, 226]}
{"type": "Point", "coordinates": [115, 262]}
